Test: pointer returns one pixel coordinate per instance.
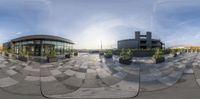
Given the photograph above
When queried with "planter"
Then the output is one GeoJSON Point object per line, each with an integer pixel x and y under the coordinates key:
{"type": "Point", "coordinates": [159, 60]}
{"type": "Point", "coordinates": [127, 62]}
{"type": "Point", "coordinates": [25, 59]}
{"type": "Point", "coordinates": [75, 53]}
{"type": "Point", "coordinates": [10, 55]}
{"type": "Point", "coordinates": [52, 59]}
{"type": "Point", "coordinates": [107, 56]}
{"type": "Point", "coordinates": [101, 53]}
{"type": "Point", "coordinates": [6, 54]}
{"type": "Point", "coordinates": [3, 53]}
{"type": "Point", "coordinates": [67, 56]}
{"type": "Point", "coordinates": [174, 55]}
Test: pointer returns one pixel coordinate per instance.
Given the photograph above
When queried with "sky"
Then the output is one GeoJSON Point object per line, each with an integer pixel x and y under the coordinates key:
{"type": "Point", "coordinates": [90, 22]}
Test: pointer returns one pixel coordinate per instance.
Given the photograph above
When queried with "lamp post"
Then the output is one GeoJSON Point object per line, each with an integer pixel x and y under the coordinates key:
{"type": "Point", "coordinates": [101, 52]}
{"type": "Point", "coordinates": [101, 45]}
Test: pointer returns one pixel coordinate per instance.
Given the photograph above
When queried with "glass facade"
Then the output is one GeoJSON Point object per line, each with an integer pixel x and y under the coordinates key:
{"type": "Point", "coordinates": [41, 47]}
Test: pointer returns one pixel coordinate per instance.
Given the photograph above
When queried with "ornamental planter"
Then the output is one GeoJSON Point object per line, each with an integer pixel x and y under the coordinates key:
{"type": "Point", "coordinates": [159, 60]}
{"type": "Point", "coordinates": [25, 59]}
{"type": "Point", "coordinates": [67, 56]}
{"type": "Point", "coordinates": [107, 56]}
{"type": "Point", "coordinates": [75, 53]}
{"type": "Point", "coordinates": [52, 59]}
{"type": "Point", "coordinates": [101, 53]}
{"type": "Point", "coordinates": [10, 55]}
{"type": "Point", "coordinates": [3, 53]}
{"type": "Point", "coordinates": [125, 61]}
{"type": "Point", "coordinates": [174, 55]}
{"type": "Point", "coordinates": [6, 54]}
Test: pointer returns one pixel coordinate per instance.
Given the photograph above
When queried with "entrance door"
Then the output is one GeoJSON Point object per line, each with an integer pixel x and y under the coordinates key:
{"type": "Point", "coordinates": [37, 50]}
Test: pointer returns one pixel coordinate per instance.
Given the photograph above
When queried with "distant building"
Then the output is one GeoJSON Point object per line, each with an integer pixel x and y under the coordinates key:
{"type": "Point", "coordinates": [140, 41]}
{"type": "Point", "coordinates": [39, 45]}
{"type": "Point", "coordinates": [1, 47]}
{"type": "Point", "coordinates": [185, 47]}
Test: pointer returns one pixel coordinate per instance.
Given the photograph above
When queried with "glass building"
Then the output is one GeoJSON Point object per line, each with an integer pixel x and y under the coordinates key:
{"type": "Point", "coordinates": [39, 45]}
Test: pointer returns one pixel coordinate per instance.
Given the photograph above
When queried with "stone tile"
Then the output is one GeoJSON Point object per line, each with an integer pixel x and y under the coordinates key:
{"type": "Point", "coordinates": [2, 65]}
{"type": "Point", "coordinates": [110, 80]}
{"type": "Point", "coordinates": [84, 66]}
{"type": "Point", "coordinates": [70, 72]}
{"type": "Point", "coordinates": [11, 72]}
{"type": "Point", "coordinates": [25, 87]}
{"type": "Point", "coordinates": [91, 71]}
{"type": "Point", "coordinates": [102, 73]}
{"type": "Point", "coordinates": [67, 66]}
{"type": "Point", "coordinates": [198, 81]}
{"type": "Point", "coordinates": [5, 82]}
{"type": "Point", "coordinates": [118, 68]}
{"type": "Point", "coordinates": [48, 79]}
{"type": "Point", "coordinates": [3, 74]}
{"type": "Point", "coordinates": [93, 83]}
{"type": "Point", "coordinates": [90, 75]}
{"type": "Point", "coordinates": [12, 67]}
{"type": "Point", "coordinates": [120, 75]}
{"type": "Point", "coordinates": [31, 69]}
{"type": "Point", "coordinates": [80, 75]}
{"type": "Point", "coordinates": [19, 77]}
{"type": "Point", "coordinates": [32, 78]}
{"type": "Point", "coordinates": [54, 88]}
{"type": "Point", "coordinates": [73, 81]}
{"type": "Point", "coordinates": [169, 81]}
{"type": "Point", "coordinates": [126, 86]}
{"type": "Point", "coordinates": [46, 66]}
{"type": "Point", "coordinates": [45, 72]}
{"type": "Point", "coordinates": [55, 72]}
{"type": "Point", "coordinates": [62, 77]}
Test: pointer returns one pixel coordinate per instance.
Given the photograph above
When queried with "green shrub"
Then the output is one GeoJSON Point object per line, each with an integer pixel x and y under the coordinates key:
{"type": "Point", "coordinates": [52, 53]}
{"type": "Point", "coordinates": [158, 54]}
{"type": "Point", "coordinates": [70, 51]}
{"type": "Point", "coordinates": [116, 51]}
{"type": "Point", "coordinates": [108, 53]}
{"type": "Point", "coordinates": [75, 52]}
{"type": "Point", "coordinates": [126, 54]}
{"type": "Point", "coordinates": [23, 54]}
{"type": "Point", "coordinates": [173, 51]}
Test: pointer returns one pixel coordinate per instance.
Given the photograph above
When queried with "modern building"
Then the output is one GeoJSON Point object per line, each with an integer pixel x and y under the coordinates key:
{"type": "Point", "coordinates": [1, 47]}
{"type": "Point", "coordinates": [39, 45]}
{"type": "Point", "coordinates": [184, 47]}
{"type": "Point", "coordinates": [140, 41]}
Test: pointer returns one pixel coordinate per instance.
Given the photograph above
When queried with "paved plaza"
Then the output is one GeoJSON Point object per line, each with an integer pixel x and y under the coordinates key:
{"type": "Point", "coordinates": [92, 76]}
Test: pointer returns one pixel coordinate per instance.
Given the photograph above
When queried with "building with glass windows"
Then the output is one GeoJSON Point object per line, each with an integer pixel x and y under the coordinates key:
{"type": "Point", "coordinates": [39, 45]}
{"type": "Point", "coordinates": [140, 42]}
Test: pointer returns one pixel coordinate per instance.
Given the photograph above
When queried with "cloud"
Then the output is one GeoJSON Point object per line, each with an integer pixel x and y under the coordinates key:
{"type": "Point", "coordinates": [177, 21]}
{"type": "Point", "coordinates": [18, 33]}
{"type": "Point", "coordinates": [90, 21]}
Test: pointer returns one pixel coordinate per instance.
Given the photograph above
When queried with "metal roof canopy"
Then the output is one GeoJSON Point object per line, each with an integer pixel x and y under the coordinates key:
{"type": "Point", "coordinates": [42, 37]}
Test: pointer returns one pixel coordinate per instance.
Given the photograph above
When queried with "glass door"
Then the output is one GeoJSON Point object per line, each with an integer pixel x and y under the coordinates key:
{"type": "Point", "coordinates": [37, 50]}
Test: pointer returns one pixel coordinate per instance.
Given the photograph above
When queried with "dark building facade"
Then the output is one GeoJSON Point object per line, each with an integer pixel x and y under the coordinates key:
{"type": "Point", "coordinates": [140, 41]}
{"type": "Point", "coordinates": [39, 45]}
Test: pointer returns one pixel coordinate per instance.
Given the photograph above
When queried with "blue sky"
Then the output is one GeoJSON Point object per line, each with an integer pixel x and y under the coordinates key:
{"type": "Point", "coordinates": [88, 22]}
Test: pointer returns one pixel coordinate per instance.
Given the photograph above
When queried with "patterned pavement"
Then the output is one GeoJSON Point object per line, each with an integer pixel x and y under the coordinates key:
{"type": "Point", "coordinates": [91, 76]}
{"type": "Point", "coordinates": [159, 76]}
{"type": "Point", "coordinates": [196, 68]}
{"type": "Point", "coordinates": [15, 77]}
